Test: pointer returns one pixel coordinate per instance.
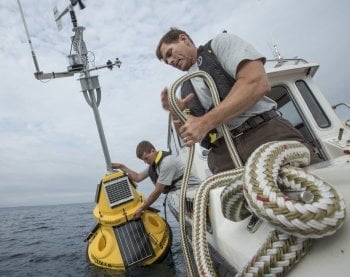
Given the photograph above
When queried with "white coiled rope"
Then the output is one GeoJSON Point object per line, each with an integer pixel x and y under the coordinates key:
{"type": "Point", "coordinates": [264, 177]}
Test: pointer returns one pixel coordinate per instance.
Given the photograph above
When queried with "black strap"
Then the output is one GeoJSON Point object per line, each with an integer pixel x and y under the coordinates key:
{"type": "Point", "coordinates": [254, 121]}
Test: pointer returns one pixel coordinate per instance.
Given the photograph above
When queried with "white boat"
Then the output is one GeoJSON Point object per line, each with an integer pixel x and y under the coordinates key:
{"type": "Point", "coordinates": [234, 246]}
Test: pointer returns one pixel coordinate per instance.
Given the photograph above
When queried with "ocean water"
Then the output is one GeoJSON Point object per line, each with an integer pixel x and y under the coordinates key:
{"type": "Point", "coordinates": [49, 241]}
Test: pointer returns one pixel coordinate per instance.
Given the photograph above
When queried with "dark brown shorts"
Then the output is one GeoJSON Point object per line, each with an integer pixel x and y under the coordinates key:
{"type": "Point", "coordinates": [276, 129]}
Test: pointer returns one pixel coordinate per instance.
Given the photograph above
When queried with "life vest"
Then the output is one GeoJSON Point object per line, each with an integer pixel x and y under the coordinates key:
{"type": "Point", "coordinates": [208, 62]}
{"type": "Point", "coordinates": [152, 171]}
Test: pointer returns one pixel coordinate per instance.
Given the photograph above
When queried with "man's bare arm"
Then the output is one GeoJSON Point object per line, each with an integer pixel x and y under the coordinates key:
{"type": "Point", "coordinates": [133, 175]}
{"type": "Point", "coordinates": [250, 86]}
{"type": "Point", "coordinates": [158, 189]}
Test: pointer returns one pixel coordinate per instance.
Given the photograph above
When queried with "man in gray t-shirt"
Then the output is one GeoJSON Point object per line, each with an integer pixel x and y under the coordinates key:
{"type": "Point", "coordinates": [239, 75]}
{"type": "Point", "coordinates": [165, 171]}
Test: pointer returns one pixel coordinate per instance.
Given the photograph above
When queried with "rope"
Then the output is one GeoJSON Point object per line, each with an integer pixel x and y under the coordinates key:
{"type": "Point", "coordinates": [295, 221]}
{"type": "Point", "coordinates": [232, 151]}
{"type": "Point", "coordinates": [263, 178]}
{"type": "Point", "coordinates": [231, 148]}
{"type": "Point", "coordinates": [279, 253]}
{"type": "Point", "coordinates": [165, 215]}
{"type": "Point", "coordinates": [199, 233]}
{"type": "Point", "coordinates": [266, 179]}
{"type": "Point", "coordinates": [164, 206]}
{"type": "Point", "coordinates": [216, 101]}
{"type": "Point", "coordinates": [182, 217]}
{"type": "Point", "coordinates": [233, 203]}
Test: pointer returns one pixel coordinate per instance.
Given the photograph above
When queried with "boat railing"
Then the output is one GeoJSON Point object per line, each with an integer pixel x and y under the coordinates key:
{"type": "Point", "coordinates": [346, 105]}
{"type": "Point", "coordinates": [271, 63]}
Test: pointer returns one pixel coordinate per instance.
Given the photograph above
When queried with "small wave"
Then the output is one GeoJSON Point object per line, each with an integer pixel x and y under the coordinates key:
{"type": "Point", "coordinates": [39, 259]}
{"type": "Point", "coordinates": [33, 243]}
{"type": "Point", "coordinates": [20, 255]}
{"type": "Point", "coordinates": [67, 256]}
{"type": "Point", "coordinates": [43, 228]}
{"type": "Point", "coordinates": [31, 229]}
{"type": "Point", "coordinates": [5, 258]}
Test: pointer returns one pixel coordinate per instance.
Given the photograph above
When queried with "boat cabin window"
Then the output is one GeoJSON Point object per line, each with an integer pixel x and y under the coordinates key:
{"type": "Point", "coordinates": [289, 110]}
{"type": "Point", "coordinates": [315, 108]}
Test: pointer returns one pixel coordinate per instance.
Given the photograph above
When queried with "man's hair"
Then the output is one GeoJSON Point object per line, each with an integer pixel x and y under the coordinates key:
{"type": "Point", "coordinates": [170, 37]}
{"type": "Point", "coordinates": [142, 147]}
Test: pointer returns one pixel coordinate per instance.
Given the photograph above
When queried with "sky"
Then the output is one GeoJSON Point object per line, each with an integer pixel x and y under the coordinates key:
{"type": "Point", "coordinates": [50, 152]}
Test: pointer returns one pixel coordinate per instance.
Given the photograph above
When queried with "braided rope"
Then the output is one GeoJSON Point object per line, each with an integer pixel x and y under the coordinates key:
{"type": "Point", "coordinates": [233, 203]}
{"type": "Point", "coordinates": [231, 148]}
{"type": "Point", "coordinates": [277, 255]}
{"type": "Point", "coordinates": [322, 217]}
{"type": "Point", "coordinates": [216, 101]}
{"type": "Point", "coordinates": [279, 252]}
{"type": "Point", "coordinates": [199, 234]}
{"type": "Point", "coordinates": [182, 218]}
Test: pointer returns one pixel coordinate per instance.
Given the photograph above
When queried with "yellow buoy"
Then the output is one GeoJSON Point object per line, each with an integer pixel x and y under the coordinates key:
{"type": "Point", "coordinates": [118, 241]}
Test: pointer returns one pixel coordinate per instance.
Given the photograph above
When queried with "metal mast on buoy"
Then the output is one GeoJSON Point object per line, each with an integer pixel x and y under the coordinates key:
{"type": "Point", "coordinates": [78, 63]}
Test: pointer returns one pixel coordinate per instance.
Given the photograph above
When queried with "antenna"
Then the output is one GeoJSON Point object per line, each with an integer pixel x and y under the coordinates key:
{"type": "Point", "coordinates": [276, 54]}
{"type": "Point", "coordinates": [79, 63]}
{"type": "Point", "coordinates": [28, 37]}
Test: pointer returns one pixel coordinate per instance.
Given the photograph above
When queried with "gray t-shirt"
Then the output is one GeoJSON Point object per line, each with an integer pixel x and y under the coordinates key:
{"type": "Point", "coordinates": [230, 50]}
{"type": "Point", "coordinates": [171, 169]}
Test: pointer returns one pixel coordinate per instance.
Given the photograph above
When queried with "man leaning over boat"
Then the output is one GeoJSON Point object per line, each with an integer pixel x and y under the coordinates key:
{"type": "Point", "coordinates": [239, 74]}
